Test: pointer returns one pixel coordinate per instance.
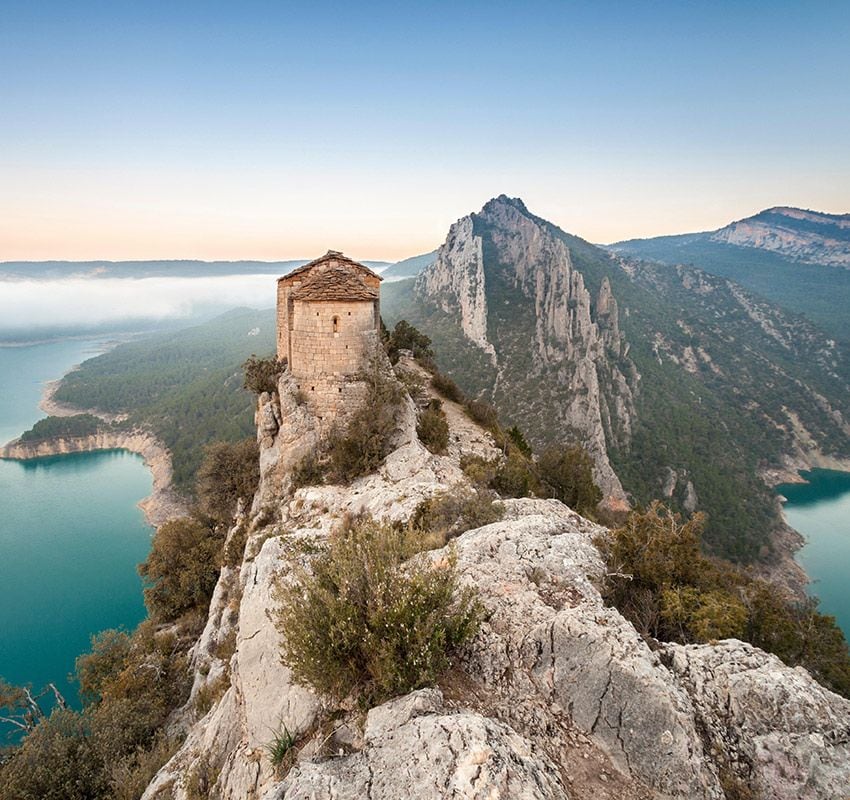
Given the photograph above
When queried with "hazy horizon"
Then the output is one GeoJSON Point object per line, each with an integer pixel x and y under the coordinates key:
{"type": "Point", "coordinates": [259, 131]}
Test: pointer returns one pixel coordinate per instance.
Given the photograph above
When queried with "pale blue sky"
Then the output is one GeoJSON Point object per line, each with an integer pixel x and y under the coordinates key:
{"type": "Point", "coordinates": [274, 130]}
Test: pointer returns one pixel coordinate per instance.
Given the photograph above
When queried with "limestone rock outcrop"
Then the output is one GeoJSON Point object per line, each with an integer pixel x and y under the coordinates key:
{"type": "Point", "coordinates": [576, 357]}
{"type": "Point", "coordinates": [557, 696]}
{"type": "Point", "coordinates": [803, 235]}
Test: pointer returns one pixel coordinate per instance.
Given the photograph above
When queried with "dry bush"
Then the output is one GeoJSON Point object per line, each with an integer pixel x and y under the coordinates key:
{"type": "Point", "coordinates": [567, 472]}
{"type": "Point", "coordinates": [447, 387]}
{"type": "Point", "coordinates": [433, 428]}
{"type": "Point", "coordinates": [484, 414]}
{"type": "Point", "coordinates": [366, 621]}
{"type": "Point", "coordinates": [229, 470]}
{"type": "Point", "coordinates": [181, 569]}
{"type": "Point", "coordinates": [261, 374]}
{"type": "Point", "coordinates": [451, 513]}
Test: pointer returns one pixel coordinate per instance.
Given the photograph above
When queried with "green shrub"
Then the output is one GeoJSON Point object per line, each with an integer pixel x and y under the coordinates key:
{"type": "Point", "coordinates": [406, 337]}
{"type": "Point", "coordinates": [280, 748]}
{"type": "Point", "coordinates": [479, 470]}
{"type": "Point", "coordinates": [110, 650]}
{"type": "Point", "coordinates": [567, 472]}
{"type": "Point", "coordinates": [516, 476]}
{"type": "Point", "coordinates": [449, 514]}
{"type": "Point", "coordinates": [363, 444]}
{"type": "Point", "coordinates": [447, 387]}
{"type": "Point", "coordinates": [228, 472]}
{"type": "Point", "coordinates": [261, 374]}
{"type": "Point", "coordinates": [366, 621]}
{"type": "Point", "coordinates": [660, 581]}
{"type": "Point", "coordinates": [181, 569]}
{"type": "Point", "coordinates": [57, 761]}
{"type": "Point", "coordinates": [483, 413]}
{"type": "Point", "coordinates": [516, 437]}
{"type": "Point", "coordinates": [433, 428]}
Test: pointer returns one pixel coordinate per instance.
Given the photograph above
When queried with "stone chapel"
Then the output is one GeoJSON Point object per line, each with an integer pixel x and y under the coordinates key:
{"type": "Point", "coordinates": [328, 325]}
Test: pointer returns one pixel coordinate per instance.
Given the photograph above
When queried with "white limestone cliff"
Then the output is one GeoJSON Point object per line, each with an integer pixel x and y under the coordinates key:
{"type": "Point", "coordinates": [557, 696]}
{"type": "Point", "coordinates": [577, 348]}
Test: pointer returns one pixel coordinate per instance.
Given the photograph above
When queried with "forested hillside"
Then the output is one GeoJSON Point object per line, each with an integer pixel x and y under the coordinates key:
{"type": "Point", "coordinates": [819, 291]}
{"type": "Point", "coordinates": [695, 385]}
{"type": "Point", "coordinates": [185, 386]}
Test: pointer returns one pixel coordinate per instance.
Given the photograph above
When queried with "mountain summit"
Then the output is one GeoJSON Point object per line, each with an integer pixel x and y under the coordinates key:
{"type": "Point", "coordinates": [680, 384]}
{"type": "Point", "coordinates": [796, 258]}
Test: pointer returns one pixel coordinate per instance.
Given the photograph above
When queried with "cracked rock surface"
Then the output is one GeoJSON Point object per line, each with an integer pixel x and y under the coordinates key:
{"type": "Point", "coordinates": [413, 749]}
{"type": "Point", "coordinates": [557, 696]}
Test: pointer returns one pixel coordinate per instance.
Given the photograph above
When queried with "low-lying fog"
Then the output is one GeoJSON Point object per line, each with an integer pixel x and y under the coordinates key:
{"type": "Point", "coordinates": [32, 309]}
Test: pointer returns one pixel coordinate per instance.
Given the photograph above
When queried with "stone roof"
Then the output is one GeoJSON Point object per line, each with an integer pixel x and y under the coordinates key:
{"type": "Point", "coordinates": [331, 258]}
{"type": "Point", "coordinates": [334, 283]}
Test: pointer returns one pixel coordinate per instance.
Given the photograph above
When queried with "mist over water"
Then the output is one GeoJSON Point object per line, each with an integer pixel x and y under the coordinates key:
{"type": "Point", "coordinates": [37, 308]}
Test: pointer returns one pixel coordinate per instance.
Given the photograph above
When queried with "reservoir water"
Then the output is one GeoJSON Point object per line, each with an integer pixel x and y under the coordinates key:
{"type": "Point", "coordinates": [71, 534]}
{"type": "Point", "coordinates": [820, 510]}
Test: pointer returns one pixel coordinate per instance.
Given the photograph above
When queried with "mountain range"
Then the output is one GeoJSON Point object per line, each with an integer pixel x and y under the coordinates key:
{"type": "Point", "coordinates": [797, 258]}
{"type": "Point", "coordinates": [681, 383]}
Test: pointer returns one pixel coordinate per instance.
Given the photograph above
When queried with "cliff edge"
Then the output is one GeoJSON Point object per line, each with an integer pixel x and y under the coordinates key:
{"type": "Point", "coordinates": [557, 696]}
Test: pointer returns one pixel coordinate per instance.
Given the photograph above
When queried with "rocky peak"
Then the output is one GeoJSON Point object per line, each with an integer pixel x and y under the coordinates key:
{"type": "Point", "coordinates": [811, 236]}
{"type": "Point", "coordinates": [509, 281]}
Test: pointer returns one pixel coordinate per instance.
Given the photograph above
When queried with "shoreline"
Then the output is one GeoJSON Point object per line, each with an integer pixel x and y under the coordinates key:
{"type": "Point", "coordinates": [161, 505]}
{"type": "Point", "coordinates": [785, 569]}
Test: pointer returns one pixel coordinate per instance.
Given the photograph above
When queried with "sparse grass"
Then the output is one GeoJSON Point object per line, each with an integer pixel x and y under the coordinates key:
{"type": "Point", "coordinates": [281, 749]}
{"type": "Point", "coordinates": [210, 693]}
{"type": "Point", "coordinates": [200, 780]}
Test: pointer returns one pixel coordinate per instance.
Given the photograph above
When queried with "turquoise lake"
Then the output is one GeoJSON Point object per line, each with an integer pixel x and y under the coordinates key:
{"type": "Point", "coordinates": [71, 534]}
{"type": "Point", "coordinates": [820, 510]}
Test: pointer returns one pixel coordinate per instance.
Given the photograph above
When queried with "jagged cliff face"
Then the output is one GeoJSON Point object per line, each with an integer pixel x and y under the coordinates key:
{"type": "Point", "coordinates": [557, 696]}
{"type": "Point", "coordinates": [514, 291]}
{"type": "Point", "coordinates": [682, 385]}
{"type": "Point", "coordinates": [802, 235]}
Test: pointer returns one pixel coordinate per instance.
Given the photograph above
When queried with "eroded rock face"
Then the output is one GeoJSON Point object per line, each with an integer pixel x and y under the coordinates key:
{"type": "Point", "coordinates": [550, 648]}
{"type": "Point", "coordinates": [778, 730]}
{"type": "Point", "coordinates": [457, 279]}
{"type": "Point", "coordinates": [556, 696]}
{"type": "Point", "coordinates": [793, 232]}
{"type": "Point", "coordinates": [577, 360]}
{"type": "Point", "coordinates": [412, 748]}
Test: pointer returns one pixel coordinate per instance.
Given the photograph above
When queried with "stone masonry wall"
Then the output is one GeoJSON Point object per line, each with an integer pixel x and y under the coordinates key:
{"type": "Point", "coordinates": [283, 290]}
{"type": "Point", "coordinates": [330, 343]}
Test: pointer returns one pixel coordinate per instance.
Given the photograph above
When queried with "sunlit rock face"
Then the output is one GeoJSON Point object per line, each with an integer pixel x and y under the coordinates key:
{"type": "Point", "coordinates": [516, 294]}
{"type": "Point", "coordinates": [557, 696]}
{"type": "Point", "coordinates": [808, 236]}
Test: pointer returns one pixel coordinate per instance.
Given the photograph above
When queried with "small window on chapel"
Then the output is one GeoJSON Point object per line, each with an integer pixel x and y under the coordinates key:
{"type": "Point", "coordinates": [336, 324]}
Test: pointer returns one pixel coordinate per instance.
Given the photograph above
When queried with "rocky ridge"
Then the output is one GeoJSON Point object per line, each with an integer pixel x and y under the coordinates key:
{"type": "Point", "coordinates": [576, 349]}
{"type": "Point", "coordinates": [799, 234]}
{"type": "Point", "coordinates": [556, 697]}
